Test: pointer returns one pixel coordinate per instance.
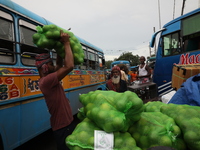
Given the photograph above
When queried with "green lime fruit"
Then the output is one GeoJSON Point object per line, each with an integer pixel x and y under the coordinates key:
{"type": "Point", "coordinates": [165, 141]}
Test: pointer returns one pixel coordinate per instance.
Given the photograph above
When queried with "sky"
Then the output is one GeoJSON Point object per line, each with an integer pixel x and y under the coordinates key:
{"type": "Point", "coordinates": [115, 26]}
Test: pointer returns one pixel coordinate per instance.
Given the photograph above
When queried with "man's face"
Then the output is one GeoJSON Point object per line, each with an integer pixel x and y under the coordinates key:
{"type": "Point", "coordinates": [51, 67]}
{"type": "Point", "coordinates": [142, 59]}
{"type": "Point", "coordinates": [116, 73]}
{"type": "Point", "coordinates": [116, 76]}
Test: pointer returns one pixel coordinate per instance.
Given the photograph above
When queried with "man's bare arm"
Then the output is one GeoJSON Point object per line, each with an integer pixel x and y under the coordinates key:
{"type": "Point", "coordinates": [69, 59]}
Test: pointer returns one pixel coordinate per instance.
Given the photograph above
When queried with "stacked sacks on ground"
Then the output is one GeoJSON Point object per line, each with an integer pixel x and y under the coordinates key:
{"type": "Point", "coordinates": [48, 36]}
{"type": "Point", "coordinates": [83, 138]}
{"type": "Point", "coordinates": [188, 119]}
{"type": "Point", "coordinates": [156, 129]}
{"type": "Point", "coordinates": [111, 111]}
{"type": "Point", "coordinates": [172, 125]}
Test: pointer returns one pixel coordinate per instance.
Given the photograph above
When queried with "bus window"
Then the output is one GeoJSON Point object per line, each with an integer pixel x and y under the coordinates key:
{"type": "Point", "coordinates": [191, 33]}
{"type": "Point", "coordinates": [191, 43]}
{"type": "Point", "coordinates": [171, 44]}
{"type": "Point", "coordinates": [100, 62]}
{"type": "Point", "coordinates": [92, 59]}
{"type": "Point", "coordinates": [28, 49]}
{"type": "Point", "coordinates": [54, 56]}
{"type": "Point", "coordinates": [7, 47]}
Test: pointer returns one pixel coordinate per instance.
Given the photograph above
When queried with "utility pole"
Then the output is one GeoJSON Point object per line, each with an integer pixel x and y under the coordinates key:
{"type": "Point", "coordinates": [159, 14]}
{"type": "Point", "coordinates": [149, 50]}
{"type": "Point", "coordinates": [174, 9]}
{"type": "Point", "coordinates": [199, 3]}
{"type": "Point", "coordinates": [154, 30]}
{"type": "Point", "coordinates": [183, 5]}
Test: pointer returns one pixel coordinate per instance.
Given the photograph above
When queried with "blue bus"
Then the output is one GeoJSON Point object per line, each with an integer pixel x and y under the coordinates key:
{"type": "Point", "coordinates": [23, 111]}
{"type": "Point", "coordinates": [179, 43]}
{"type": "Point", "coordinates": [125, 62]}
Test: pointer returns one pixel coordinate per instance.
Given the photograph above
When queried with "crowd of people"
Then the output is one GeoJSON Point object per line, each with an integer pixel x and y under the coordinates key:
{"type": "Point", "coordinates": [120, 76]}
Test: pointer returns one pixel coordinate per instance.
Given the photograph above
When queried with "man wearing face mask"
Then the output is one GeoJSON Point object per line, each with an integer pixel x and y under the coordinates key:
{"type": "Point", "coordinates": [56, 100]}
{"type": "Point", "coordinates": [116, 83]}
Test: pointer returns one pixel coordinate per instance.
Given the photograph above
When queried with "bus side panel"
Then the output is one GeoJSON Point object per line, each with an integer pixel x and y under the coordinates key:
{"type": "Point", "coordinates": [162, 74]}
{"type": "Point", "coordinates": [79, 78]}
{"type": "Point", "coordinates": [35, 118]}
{"type": "Point", "coordinates": [73, 97]}
{"type": "Point", "coordinates": [10, 125]}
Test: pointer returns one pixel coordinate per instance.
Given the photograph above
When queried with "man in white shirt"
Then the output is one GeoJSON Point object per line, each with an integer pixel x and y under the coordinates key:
{"type": "Point", "coordinates": [143, 71]}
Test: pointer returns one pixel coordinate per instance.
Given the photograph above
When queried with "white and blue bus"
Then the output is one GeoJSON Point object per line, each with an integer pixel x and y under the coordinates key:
{"type": "Point", "coordinates": [23, 111]}
{"type": "Point", "coordinates": [125, 62]}
{"type": "Point", "coordinates": [179, 43]}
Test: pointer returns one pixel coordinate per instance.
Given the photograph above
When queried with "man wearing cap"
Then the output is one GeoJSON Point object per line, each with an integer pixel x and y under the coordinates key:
{"type": "Point", "coordinates": [116, 83]}
{"type": "Point", "coordinates": [56, 100]}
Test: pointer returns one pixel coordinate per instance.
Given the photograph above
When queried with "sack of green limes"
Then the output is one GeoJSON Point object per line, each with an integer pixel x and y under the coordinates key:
{"type": "Point", "coordinates": [112, 111]}
{"type": "Point", "coordinates": [156, 129]}
{"type": "Point", "coordinates": [48, 36]}
{"type": "Point", "coordinates": [82, 138]}
{"type": "Point", "coordinates": [188, 119]}
{"type": "Point", "coordinates": [153, 106]}
{"type": "Point", "coordinates": [81, 114]}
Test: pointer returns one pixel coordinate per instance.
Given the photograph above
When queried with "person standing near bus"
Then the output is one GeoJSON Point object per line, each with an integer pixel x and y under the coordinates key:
{"type": "Point", "coordinates": [56, 100]}
{"type": "Point", "coordinates": [124, 72]}
{"type": "Point", "coordinates": [116, 83]}
{"type": "Point", "coordinates": [143, 71]}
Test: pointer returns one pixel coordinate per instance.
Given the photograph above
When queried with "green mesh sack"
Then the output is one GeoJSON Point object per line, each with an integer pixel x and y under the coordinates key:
{"type": "Point", "coordinates": [188, 119]}
{"type": "Point", "coordinates": [112, 111]}
{"type": "Point", "coordinates": [48, 36]}
{"type": "Point", "coordinates": [124, 141]}
{"type": "Point", "coordinates": [153, 106]}
{"type": "Point", "coordinates": [157, 129]}
{"type": "Point", "coordinates": [81, 114]}
{"type": "Point", "coordinates": [82, 138]}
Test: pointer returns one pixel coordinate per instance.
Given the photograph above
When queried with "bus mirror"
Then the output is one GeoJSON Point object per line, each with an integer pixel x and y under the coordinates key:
{"type": "Point", "coordinates": [154, 37]}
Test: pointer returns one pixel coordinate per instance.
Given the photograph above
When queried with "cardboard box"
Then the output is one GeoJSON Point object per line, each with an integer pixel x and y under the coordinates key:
{"type": "Point", "coordinates": [181, 73]}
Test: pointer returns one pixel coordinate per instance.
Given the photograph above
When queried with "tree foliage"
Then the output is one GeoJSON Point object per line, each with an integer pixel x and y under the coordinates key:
{"type": "Point", "coordinates": [108, 64]}
{"type": "Point", "coordinates": [133, 59]}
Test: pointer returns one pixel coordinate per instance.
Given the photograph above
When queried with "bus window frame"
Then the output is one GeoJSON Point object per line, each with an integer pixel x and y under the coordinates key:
{"type": "Point", "coordinates": [92, 62]}
{"type": "Point", "coordinates": [32, 48]}
{"type": "Point", "coordinates": [84, 65]}
{"type": "Point", "coordinates": [5, 50]}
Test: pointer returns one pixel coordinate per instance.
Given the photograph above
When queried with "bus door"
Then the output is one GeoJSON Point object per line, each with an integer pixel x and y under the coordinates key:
{"type": "Point", "coordinates": [169, 49]}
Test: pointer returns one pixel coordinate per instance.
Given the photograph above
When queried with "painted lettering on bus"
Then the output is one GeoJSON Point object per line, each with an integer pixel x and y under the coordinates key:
{"type": "Point", "coordinates": [33, 85]}
{"type": "Point", "coordinates": [186, 59]}
{"type": "Point", "coordinates": [74, 84]}
{"type": "Point", "coordinates": [8, 89]}
{"type": "Point", "coordinates": [71, 79]}
{"type": "Point", "coordinates": [94, 78]}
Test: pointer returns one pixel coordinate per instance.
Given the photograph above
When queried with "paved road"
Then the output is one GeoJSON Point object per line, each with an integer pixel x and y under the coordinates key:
{"type": "Point", "coordinates": [44, 141]}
